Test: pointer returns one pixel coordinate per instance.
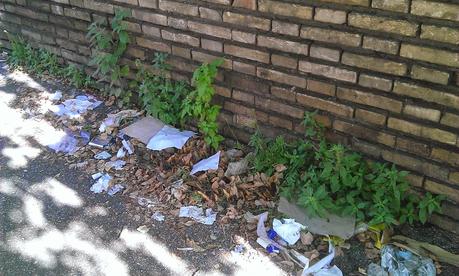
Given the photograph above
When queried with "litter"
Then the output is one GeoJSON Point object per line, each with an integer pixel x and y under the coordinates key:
{"type": "Point", "coordinates": [56, 96]}
{"type": "Point", "coordinates": [117, 165]}
{"type": "Point", "coordinates": [404, 263]}
{"type": "Point", "coordinates": [270, 248]}
{"type": "Point", "coordinates": [114, 120]}
{"type": "Point", "coordinates": [145, 202]}
{"type": "Point", "coordinates": [143, 129]}
{"type": "Point", "coordinates": [210, 163]}
{"type": "Point", "coordinates": [73, 108]}
{"type": "Point", "coordinates": [322, 267]}
{"type": "Point", "coordinates": [121, 153]}
{"type": "Point", "coordinates": [127, 146]}
{"type": "Point", "coordinates": [115, 189]}
{"type": "Point", "coordinates": [143, 229]}
{"type": "Point", "coordinates": [333, 225]}
{"type": "Point", "coordinates": [96, 175]}
{"type": "Point", "coordinates": [101, 141]}
{"type": "Point", "coordinates": [197, 214]}
{"type": "Point", "coordinates": [288, 230]}
{"type": "Point", "coordinates": [102, 155]}
{"type": "Point", "coordinates": [169, 137]}
{"type": "Point", "coordinates": [261, 230]}
{"type": "Point", "coordinates": [67, 144]}
{"type": "Point", "coordinates": [102, 184]}
{"type": "Point", "coordinates": [158, 216]}
{"type": "Point", "coordinates": [239, 249]}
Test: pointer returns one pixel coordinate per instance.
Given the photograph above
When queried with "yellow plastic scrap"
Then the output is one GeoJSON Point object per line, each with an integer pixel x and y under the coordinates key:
{"type": "Point", "coordinates": [378, 237]}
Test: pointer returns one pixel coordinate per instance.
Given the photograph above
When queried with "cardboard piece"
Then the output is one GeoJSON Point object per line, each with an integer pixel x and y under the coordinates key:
{"type": "Point", "coordinates": [343, 227]}
{"type": "Point", "coordinates": [143, 129]}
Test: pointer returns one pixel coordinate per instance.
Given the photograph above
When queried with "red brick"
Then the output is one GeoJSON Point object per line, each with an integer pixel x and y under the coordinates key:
{"type": "Point", "coordinates": [243, 37]}
{"type": "Point", "coordinates": [247, 4]}
{"type": "Point", "coordinates": [247, 20]}
{"type": "Point", "coordinates": [283, 45]}
{"type": "Point", "coordinates": [178, 7]}
{"type": "Point", "coordinates": [282, 93]}
{"type": "Point", "coordinates": [148, 16]}
{"type": "Point", "coordinates": [284, 61]}
{"type": "Point", "coordinates": [370, 117]}
{"type": "Point", "coordinates": [328, 71]}
{"type": "Point", "coordinates": [180, 38]}
{"type": "Point", "coordinates": [211, 45]}
{"type": "Point", "coordinates": [369, 99]}
{"type": "Point", "coordinates": [243, 97]}
{"type": "Point", "coordinates": [281, 77]}
{"type": "Point", "coordinates": [279, 107]}
{"type": "Point", "coordinates": [211, 30]}
{"type": "Point", "coordinates": [364, 133]}
{"type": "Point", "coordinates": [329, 106]}
{"type": "Point", "coordinates": [247, 53]}
{"type": "Point", "coordinates": [286, 28]}
{"type": "Point", "coordinates": [244, 68]}
{"type": "Point", "coordinates": [321, 87]}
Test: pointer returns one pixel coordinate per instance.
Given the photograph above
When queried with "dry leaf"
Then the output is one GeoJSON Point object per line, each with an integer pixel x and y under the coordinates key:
{"type": "Point", "coordinates": [306, 238]}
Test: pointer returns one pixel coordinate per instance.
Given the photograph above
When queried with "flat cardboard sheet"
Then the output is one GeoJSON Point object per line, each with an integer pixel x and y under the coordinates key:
{"type": "Point", "coordinates": [144, 129]}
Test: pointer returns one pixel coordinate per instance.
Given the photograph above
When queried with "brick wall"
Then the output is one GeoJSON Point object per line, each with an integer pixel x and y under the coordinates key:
{"type": "Point", "coordinates": [384, 74]}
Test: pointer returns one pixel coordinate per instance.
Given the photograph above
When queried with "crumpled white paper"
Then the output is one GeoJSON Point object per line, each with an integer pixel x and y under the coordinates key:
{"type": "Point", "coordinates": [322, 267]}
{"type": "Point", "coordinates": [117, 164]}
{"type": "Point", "coordinates": [102, 155]}
{"type": "Point", "coordinates": [210, 163]}
{"type": "Point", "coordinates": [169, 137]}
{"type": "Point", "coordinates": [101, 184]}
{"type": "Point", "coordinates": [197, 214]}
{"type": "Point", "coordinates": [288, 230]}
{"type": "Point", "coordinates": [158, 216]}
{"type": "Point", "coordinates": [73, 108]}
{"type": "Point", "coordinates": [127, 145]}
{"type": "Point", "coordinates": [261, 230]}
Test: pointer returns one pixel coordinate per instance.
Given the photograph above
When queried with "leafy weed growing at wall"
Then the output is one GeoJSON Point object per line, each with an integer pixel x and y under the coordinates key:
{"type": "Point", "coordinates": [323, 177]}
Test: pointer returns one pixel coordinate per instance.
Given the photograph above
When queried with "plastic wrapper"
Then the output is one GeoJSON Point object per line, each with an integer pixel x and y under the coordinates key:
{"type": "Point", "coordinates": [404, 263]}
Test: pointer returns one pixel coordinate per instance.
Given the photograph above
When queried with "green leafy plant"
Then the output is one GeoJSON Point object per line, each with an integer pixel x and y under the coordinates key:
{"type": "Point", "coordinates": [323, 178]}
{"type": "Point", "coordinates": [160, 96]}
{"type": "Point", "coordinates": [77, 77]}
{"type": "Point", "coordinates": [109, 47]}
{"type": "Point", "coordinates": [197, 104]}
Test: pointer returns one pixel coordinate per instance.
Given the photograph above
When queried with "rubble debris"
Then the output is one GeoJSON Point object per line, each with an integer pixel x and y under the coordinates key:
{"type": "Point", "coordinates": [210, 163]}
{"type": "Point", "coordinates": [197, 214]}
